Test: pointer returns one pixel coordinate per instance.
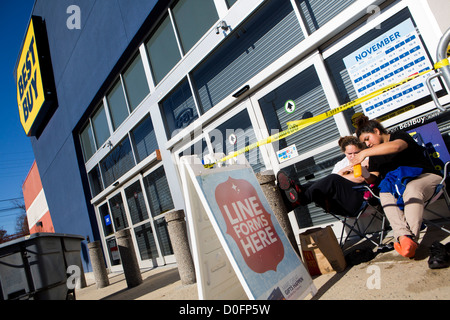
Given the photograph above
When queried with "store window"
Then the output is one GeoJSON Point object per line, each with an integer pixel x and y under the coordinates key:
{"type": "Point", "coordinates": [144, 139]}
{"type": "Point", "coordinates": [95, 181]}
{"type": "Point", "coordinates": [160, 201]}
{"type": "Point", "coordinates": [179, 108]}
{"type": "Point", "coordinates": [87, 142]}
{"type": "Point", "coordinates": [146, 242]}
{"type": "Point", "coordinates": [136, 203]}
{"type": "Point", "coordinates": [396, 51]}
{"type": "Point", "coordinates": [163, 50]}
{"type": "Point", "coordinates": [139, 214]}
{"type": "Point", "coordinates": [316, 13]}
{"type": "Point", "coordinates": [113, 251]}
{"type": "Point", "coordinates": [163, 236]}
{"type": "Point", "coordinates": [100, 126]}
{"type": "Point", "coordinates": [106, 220]}
{"type": "Point", "coordinates": [199, 148]}
{"type": "Point", "coordinates": [266, 36]}
{"type": "Point", "coordinates": [230, 3]}
{"type": "Point", "coordinates": [193, 18]}
{"type": "Point", "coordinates": [118, 162]}
{"type": "Point", "coordinates": [158, 192]}
{"type": "Point", "coordinates": [135, 82]}
{"type": "Point", "coordinates": [236, 134]}
{"type": "Point", "coordinates": [305, 90]}
{"type": "Point", "coordinates": [118, 212]}
{"type": "Point", "coordinates": [117, 105]}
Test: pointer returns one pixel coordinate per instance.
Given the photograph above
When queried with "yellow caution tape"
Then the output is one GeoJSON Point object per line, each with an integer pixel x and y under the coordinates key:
{"type": "Point", "coordinates": [295, 126]}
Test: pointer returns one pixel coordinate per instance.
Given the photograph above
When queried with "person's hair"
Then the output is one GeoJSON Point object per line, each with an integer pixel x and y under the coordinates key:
{"type": "Point", "coordinates": [350, 141]}
{"type": "Point", "coordinates": [364, 125]}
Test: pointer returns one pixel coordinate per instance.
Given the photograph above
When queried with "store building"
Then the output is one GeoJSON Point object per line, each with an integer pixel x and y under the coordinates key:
{"type": "Point", "coordinates": [38, 215]}
{"type": "Point", "coordinates": [141, 83]}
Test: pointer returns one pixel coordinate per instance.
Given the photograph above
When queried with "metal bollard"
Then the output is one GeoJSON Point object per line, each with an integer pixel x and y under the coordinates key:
{"type": "Point", "coordinates": [176, 226]}
{"type": "Point", "coordinates": [98, 264]}
{"type": "Point", "coordinates": [266, 180]}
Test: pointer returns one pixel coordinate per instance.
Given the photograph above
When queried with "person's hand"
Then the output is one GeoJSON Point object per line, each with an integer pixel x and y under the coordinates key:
{"type": "Point", "coordinates": [365, 163]}
{"type": "Point", "coordinates": [358, 158]}
{"type": "Point", "coordinates": [346, 170]}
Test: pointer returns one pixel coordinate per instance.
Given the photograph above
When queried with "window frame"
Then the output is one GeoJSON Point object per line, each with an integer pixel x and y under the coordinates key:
{"type": "Point", "coordinates": [136, 59]}
{"type": "Point", "coordinates": [87, 126]}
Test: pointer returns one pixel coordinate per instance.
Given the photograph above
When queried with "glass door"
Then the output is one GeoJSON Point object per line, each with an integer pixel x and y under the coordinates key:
{"type": "Point", "coordinates": [112, 217]}
{"type": "Point", "coordinates": [140, 206]}
{"type": "Point", "coordinates": [112, 251]}
{"type": "Point", "coordinates": [235, 131]}
{"type": "Point", "coordinates": [159, 200]}
{"type": "Point", "coordinates": [309, 154]}
{"type": "Point", "coordinates": [147, 248]}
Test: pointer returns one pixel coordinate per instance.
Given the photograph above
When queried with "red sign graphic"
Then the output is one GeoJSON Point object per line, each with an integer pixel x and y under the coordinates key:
{"type": "Point", "coordinates": [250, 225]}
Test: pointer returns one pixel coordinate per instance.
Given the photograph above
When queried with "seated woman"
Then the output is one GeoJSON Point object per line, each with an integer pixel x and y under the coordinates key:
{"type": "Point", "coordinates": [335, 192]}
{"type": "Point", "coordinates": [391, 154]}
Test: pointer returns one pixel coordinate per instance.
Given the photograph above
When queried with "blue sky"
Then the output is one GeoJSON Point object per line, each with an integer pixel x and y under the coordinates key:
{"type": "Point", "coordinates": [16, 154]}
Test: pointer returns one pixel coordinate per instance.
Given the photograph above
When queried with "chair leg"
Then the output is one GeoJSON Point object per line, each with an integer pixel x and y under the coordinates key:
{"type": "Point", "coordinates": [341, 244]}
{"type": "Point", "coordinates": [436, 225]}
{"type": "Point", "coordinates": [352, 229]}
{"type": "Point", "coordinates": [383, 225]}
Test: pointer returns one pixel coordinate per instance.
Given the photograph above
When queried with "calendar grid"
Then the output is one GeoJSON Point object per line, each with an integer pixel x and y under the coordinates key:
{"type": "Point", "coordinates": [395, 55]}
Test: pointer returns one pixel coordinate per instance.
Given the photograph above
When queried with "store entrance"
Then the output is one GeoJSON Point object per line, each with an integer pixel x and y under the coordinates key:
{"type": "Point", "coordinates": [137, 206]}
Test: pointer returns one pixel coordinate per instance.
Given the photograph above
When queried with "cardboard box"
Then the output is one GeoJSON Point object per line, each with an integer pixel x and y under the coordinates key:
{"type": "Point", "coordinates": [321, 251]}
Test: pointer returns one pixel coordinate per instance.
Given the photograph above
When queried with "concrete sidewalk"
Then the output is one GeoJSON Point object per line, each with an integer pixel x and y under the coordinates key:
{"type": "Point", "coordinates": [162, 283]}
{"type": "Point", "coordinates": [387, 276]}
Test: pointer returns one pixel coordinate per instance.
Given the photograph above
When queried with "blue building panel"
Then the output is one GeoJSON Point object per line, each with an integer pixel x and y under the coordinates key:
{"type": "Point", "coordinates": [82, 61]}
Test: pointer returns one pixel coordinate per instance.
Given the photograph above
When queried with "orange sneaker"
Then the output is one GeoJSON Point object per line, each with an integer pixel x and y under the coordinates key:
{"type": "Point", "coordinates": [406, 247]}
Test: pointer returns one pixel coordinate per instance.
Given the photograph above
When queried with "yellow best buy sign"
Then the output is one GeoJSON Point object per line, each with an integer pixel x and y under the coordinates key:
{"type": "Point", "coordinates": [34, 78]}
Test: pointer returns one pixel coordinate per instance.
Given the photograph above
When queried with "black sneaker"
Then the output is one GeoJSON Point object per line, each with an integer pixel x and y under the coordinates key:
{"type": "Point", "coordinates": [438, 256]}
{"type": "Point", "coordinates": [292, 195]}
{"type": "Point", "coordinates": [284, 181]}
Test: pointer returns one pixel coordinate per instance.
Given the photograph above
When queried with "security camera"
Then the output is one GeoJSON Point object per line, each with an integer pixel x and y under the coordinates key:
{"type": "Point", "coordinates": [222, 25]}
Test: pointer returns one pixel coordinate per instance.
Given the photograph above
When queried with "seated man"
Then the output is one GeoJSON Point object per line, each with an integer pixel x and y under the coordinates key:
{"type": "Point", "coordinates": [335, 192]}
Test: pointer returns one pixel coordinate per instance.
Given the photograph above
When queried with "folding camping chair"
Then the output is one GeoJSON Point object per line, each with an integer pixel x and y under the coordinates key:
{"type": "Point", "coordinates": [370, 208]}
{"type": "Point", "coordinates": [440, 192]}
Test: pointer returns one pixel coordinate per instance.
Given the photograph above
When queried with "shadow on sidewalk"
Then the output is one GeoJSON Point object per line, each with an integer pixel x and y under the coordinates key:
{"type": "Point", "coordinates": [394, 267]}
{"type": "Point", "coordinates": [147, 286]}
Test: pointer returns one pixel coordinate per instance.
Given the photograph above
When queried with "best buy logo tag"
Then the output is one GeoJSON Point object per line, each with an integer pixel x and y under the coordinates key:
{"type": "Point", "coordinates": [30, 88]}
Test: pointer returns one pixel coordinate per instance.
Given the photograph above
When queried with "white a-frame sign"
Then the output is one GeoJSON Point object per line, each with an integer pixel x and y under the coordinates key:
{"type": "Point", "coordinates": [239, 249]}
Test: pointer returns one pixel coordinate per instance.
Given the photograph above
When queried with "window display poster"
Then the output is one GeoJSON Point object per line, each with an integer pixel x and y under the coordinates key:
{"type": "Point", "coordinates": [263, 254]}
{"type": "Point", "coordinates": [388, 59]}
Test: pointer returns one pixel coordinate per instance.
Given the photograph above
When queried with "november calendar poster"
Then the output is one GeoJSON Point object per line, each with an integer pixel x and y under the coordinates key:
{"type": "Point", "coordinates": [388, 59]}
{"type": "Point", "coordinates": [257, 242]}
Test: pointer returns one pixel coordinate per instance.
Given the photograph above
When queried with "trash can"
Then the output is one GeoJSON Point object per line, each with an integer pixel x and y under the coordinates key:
{"type": "Point", "coordinates": [35, 267]}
